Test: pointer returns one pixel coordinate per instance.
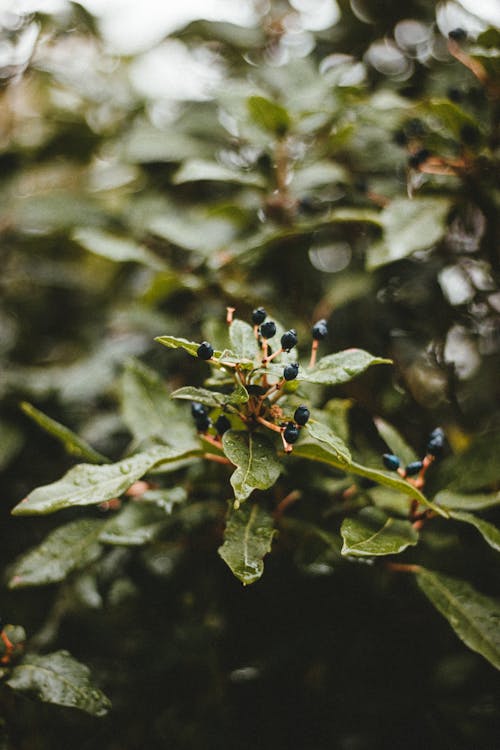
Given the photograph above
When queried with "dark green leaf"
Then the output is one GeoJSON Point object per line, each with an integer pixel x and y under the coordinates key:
{"type": "Point", "coordinates": [474, 617]}
{"type": "Point", "coordinates": [341, 367]}
{"type": "Point", "coordinates": [318, 442]}
{"type": "Point", "coordinates": [476, 468]}
{"type": "Point", "coordinates": [255, 457]}
{"type": "Point", "coordinates": [69, 547]}
{"type": "Point", "coordinates": [463, 501]}
{"type": "Point", "coordinates": [214, 399]}
{"type": "Point", "coordinates": [61, 679]}
{"type": "Point", "coordinates": [490, 533]}
{"type": "Point", "coordinates": [268, 115]}
{"type": "Point", "coordinates": [373, 533]}
{"type": "Point", "coordinates": [200, 169]}
{"type": "Point", "coordinates": [119, 249]}
{"type": "Point", "coordinates": [395, 441]}
{"type": "Point", "coordinates": [74, 444]}
{"type": "Point", "coordinates": [247, 539]}
{"type": "Point", "coordinates": [85, 484]}
{"type": "Point", "coordinates": [136, 524]}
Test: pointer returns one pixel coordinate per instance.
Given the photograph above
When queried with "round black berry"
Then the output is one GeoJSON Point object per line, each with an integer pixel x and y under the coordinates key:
{"type": "Point", "coordinates": [205, 350]}
{"type": "Point", "coordinates": [399, 138]}
{"type": "Point", "coordinates": [436, 442]}
{"type": "Point", "coordinates": [458, 35]}
{"type": "Point", "coordinates": [455, 94]}
{"type": "Point", "coordinates": [391, 461]}
{"type": "Point", "coordinates": [302, 415]}
{"type": "Point", "coordinates": [289, 339]}
{"type": "Point", "coordinates": [203, 422]}
{"type": "Point", "coordinates": [222, 424]}
{"type": "Point", "coordinates": [268, 329]}
{"type": "Point", "coordinates": [320, 330]}
{"type": "Point", "coordinates": [291, 371]}
{"type": "Point", "coordinates": [258, 316]}
{"type": "Point", "coordinates": [198, 410]}
{"type": "Point", "coordinates": [418, 158]}
{"type": "Point", "coordinates": [291, 433]}
{"type": "Point", "coordinates": [413, 468]}
{"type": "Point", "coordinates": [469, 135]}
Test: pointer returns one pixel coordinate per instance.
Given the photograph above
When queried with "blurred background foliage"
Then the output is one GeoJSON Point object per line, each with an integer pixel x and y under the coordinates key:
{"type": "Point", "coordinates": [324, 159]}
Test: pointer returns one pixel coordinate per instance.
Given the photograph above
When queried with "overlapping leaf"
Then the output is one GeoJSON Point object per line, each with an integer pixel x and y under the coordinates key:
{"type": "Point", "coordinates": [372, 533]}
{"type": "Point", "coordinates": [247, 539]}
{"type": "Point", "coordinates": [255, 457]}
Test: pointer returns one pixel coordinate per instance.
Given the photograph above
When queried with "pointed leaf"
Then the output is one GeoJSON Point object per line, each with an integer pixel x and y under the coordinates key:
{"type": "Point", "coordinates": [214, 399]}
{"type": "Point", "coordinates": [373, 533]}
{"type": "Point", "coordinates": [242, 338]}
{"type": "Point", "coordinates": [247, 539]}
{"type": "Point", "coordinates": [255, 457]}
{"type": "Point", "coordinates": [85, 484]}
{"type": "Point", "coordinates": [341, 367]}
{"type": "Point", "coordinates": [61, 679]}
{"type": "Point", "coordinates": [119, 249]}
{"type": "Point", "coordinates": [74, 444]}
{"type": "Point", "coordinates": [395, 441]}
{"type": "Point", "coordinates": [69, 547]}
{"type": "Point", "coordinates": [490, 533]}
{"type": "Point", "coordinates": [474, 617]}
{"type": "Point", "coordinates": [463, 501]}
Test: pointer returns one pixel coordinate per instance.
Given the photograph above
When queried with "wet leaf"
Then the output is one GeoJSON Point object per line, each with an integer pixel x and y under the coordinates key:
{"type": "Point", "coordinates": [247, 539]}
{"type": "Point", "coordinates": [69, 547]}
{"type": "Point", "coordinates": [136, 524]}
{"type": "Point", "coordinates": [255, 457]}
{"type": "Point", "coordinates": [61, 679]}
{"type": "Point", "coordinates": [373, 533]}
{"type": "Point", "coordinates": [213, 399]}
{"type": "Point", "coordinates": [341, 367]}
{"type": "Point", "coordinates": [317, 441]}
{"type": "Point", "coordinates": [474, 617]}
{"type": "Point", "coordinates": [242, 338]}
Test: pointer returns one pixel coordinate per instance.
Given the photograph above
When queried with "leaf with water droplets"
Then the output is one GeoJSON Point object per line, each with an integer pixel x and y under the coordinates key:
{"type": "Point", "coordinates": [247, 539]}
{"type": "Point", "coordinates": [61, 679]}
{"type": "Point", "coordinates": [213, 399]}
{"type": "Point", "coordinates": [136, 524]}
{"type": "Point", "coordinates": [255, 457]}
{"type": "Point", "coordinates": [86, 484]}
{"type": "Point", "coordinates": [341, 367]}
{"type": "Point", "coordinates": [243, 339]}
{"type": "Point", "coordinates": [69, 547]}
{"type": "Point", "coordinates": [474, 617]}
{"type": "Point", "coordinates": [373, 533]}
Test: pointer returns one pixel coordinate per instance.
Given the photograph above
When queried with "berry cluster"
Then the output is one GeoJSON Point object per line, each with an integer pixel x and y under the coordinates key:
{"type": "Point", "coordinates": [418, 468]}
{"type": "Point", "coordinates": [262, 407]}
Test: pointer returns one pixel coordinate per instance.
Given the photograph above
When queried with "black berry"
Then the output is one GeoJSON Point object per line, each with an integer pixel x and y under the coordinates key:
{"type": "Point", "coordinates": [302, 415]}
{"type": "Point", "coordinates": [291, 371]}
{"type": "Point", "coordinates": [205, 350]}
{"type": "Point", "coordinates": [391, 461]}
{"type": "Point", "coordinates": [268, 329]}
{"type": "Point", "coordinates": [458, 35]}
{"type": "Point", "coordinates": [413, 468]}
{"type": "Point", "coordinates": [289, 339]}
{"type": "Point", "coordinates": [400, 138]}
{"type": "Point", "coordinates": [436, 442]}
{"type": "Point", "coordinates": [222, 424]}
{"type": "Point", "coordinates": [455, 94]}
{"type": "Point", "coordinates": [198, 410]}
{"type": "Point", "coordinates": [418, 158]}
{"type": "Point", "coordinates": [469, 135]}
{"type": "Point", "coordinates": [320, 330]}
{"type": "Point", "coordinates": [291, 433]}
{"type": "Point", "coordinates": [202, 422]}
{"type": "Point", "coordinates": [258, 316]}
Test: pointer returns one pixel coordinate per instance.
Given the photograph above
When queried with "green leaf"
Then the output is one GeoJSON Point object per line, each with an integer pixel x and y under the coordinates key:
{"type": "Point", "coordinates": [74, 444]}
{"type": "Point", "coordinates": [392, 479]}
{"type": "Point", "coordinates": [195, 170]}
{"type": "Point", "coordinates": [214, 399]}
{"type": "Point", "coordinates": [474, 617]}
{"type": "Point", "coordinates": [463, 501]}
{"type": "Point", "coordinates": [118, 249]}
{"type": "Point", "coordinates": [136, 524]}
{"type": "Point", "coordinates": [69, 547]}
{"type": "Point", "coordinates": [85, 484]}
{"type": "Point", "coordinates": [242, 338]}
{"type": "Point", "coordinates": [11, 441]}
{"type": "Point", "coordinates": [317, 439]}
{"type": "Point", "coordinates": [268, 115]}
{"type": "Point", "coordinates": [490, 533]}
{"type": "Point", "coordinates": [247, 539]}
{"type": "Point", "coordinates": [395, 441]}
{"type": "Point", "coordinates": [255, 457]}
{"type": "Point", "coordinates": [61, 679]}
{"type": "Point", "coordinates": [452, 116]}
{"type": "Point", "coordinates": [220, 358]}
{"type": "Point", "coordinates": [476, 468]}
{"type": "Point", "coordinates": [409, 225]}
{"type": "Point", "coordinates": [148, 410]}
{"type": "Point", "coordinates": [341, 367]}
{"type": "Point", "coordinates": [373, 533]}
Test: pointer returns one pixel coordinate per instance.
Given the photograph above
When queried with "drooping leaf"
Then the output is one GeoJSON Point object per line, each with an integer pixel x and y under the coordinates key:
{"type": "Point", "coordinates": [341, 367]}
{"type": "Point", "coordinates": [464, 501]}
{"type": "Point", "coordinates": [61, 679]}
{"type": "Point", "coordinates": [373, 533]}
{"type": "Point", "coordinates": [409, 225]}
{"type": "Point", "coordinates": [242, 338]}
{"type": "Point", "coordinates": [268, 115]}
{"type": "Point", "coordinates": [74, 444]}
{"type": "Point", "coordinates": [86, 484]}
{"type": "Point", "coordinates": [247, 539]}
{"type": "Point", "coordinates": [393, 480]}
{"type": "Point", "coordinates": [490, 533]}
{"type": "Point", "coordinates": [213, 399]}
{"type": "Point", "coordinates": [119, 249]}
{"type": "Point", "coordinates": [69, 547]}
{"type": "Point", "coordinates": [255, 457]}
{"type": "Point", "coordinates": [136, 524]}
{"type": "Point", "coordinates": [474, 617]}
{"type": "Point", "coordinates": [219, 359]}
{"type": "Point", "coordinates": [148, 410]}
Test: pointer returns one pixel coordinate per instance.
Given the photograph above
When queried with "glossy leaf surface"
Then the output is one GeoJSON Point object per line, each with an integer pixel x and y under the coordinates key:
{"type": "Point", "coordinates": [247, 539]}
{"type": "Point", "coordinates": [373, 533]}
{"type": "Point", "coordinates": [255, 457]}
